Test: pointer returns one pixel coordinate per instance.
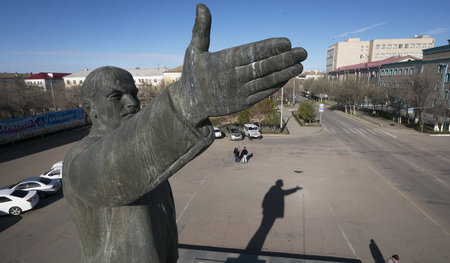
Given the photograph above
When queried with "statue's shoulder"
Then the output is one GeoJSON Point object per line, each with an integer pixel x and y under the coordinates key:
{"type": "Point", "coordinates": [81, 146]}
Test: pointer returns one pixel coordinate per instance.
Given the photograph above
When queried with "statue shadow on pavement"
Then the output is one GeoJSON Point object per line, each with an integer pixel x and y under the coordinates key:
{"type": "Point", "coordinates": [273, 208]}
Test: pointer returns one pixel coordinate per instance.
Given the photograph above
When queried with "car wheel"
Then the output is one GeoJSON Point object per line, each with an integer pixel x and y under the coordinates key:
{"type": "Point", "coordinates": [42, 194]}
{"type": "Point", "coordinates": [15, 211]}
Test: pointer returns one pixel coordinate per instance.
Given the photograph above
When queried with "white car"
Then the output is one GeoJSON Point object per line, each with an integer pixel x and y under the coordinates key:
{"type": "Point", "coordinates": [14, 202]}
{"type": "Point", "coordinates": [57, 165]}
{"type": "Point", "coordinates": [43, 186]}
{"type": "Point", "coordinates": [252, 131]}
{"type": "Point", "coordinates": [218, 133]}
{"type": "Point", "coordinates": [54, 173]}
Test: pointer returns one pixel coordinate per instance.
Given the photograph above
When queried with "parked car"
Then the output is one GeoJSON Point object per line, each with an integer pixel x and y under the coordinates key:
{"type": "Point", "coordinates": [14, 202]}
{"type": "Point", "coordinates": [54, 173]}
{"type": "Point", "coordinates": [43, 186]}
{"type": "Point", "coordinates": [234, 133]}
{"type": "Point", "coordinates": [252, 131]}
{"type": "Point", "coordinates": [218, 133]}
{"type": "Point", "coordinates": [58, 165]}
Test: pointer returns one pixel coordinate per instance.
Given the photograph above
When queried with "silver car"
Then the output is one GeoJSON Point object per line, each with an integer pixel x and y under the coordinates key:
{"type": "Point", "coordinates": [43, 186]}
{"type": "Point", "coordinates": [234, 133]}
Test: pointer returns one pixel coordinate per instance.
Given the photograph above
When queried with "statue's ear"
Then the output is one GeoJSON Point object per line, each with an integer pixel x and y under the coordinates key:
{"type": "Point", "coordinates": [93, 113]}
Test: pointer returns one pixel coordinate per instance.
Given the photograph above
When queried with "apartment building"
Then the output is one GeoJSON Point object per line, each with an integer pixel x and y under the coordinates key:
{"type": "Point", "coordinates": [354, 51]}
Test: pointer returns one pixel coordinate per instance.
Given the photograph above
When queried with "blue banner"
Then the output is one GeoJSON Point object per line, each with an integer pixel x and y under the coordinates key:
{"type": "Point", "coordinates": [17, 126]}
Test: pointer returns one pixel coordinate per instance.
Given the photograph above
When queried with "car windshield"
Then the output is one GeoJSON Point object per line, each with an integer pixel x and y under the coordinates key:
{"type": "Point", "coordinates": [12, 186]}
{"type": "Point", "coordinates": [252, 128]}
{"type": "Point", "coordinates": [45, 180]}
{"type": "Point", "coordinates": [234, 130]}
{"type": "Point", "coordinates": [19, 193]}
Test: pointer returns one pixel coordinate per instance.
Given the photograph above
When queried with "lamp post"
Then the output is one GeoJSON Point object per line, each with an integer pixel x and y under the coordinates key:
{"type": "Point", "coordinates": [281, 109]}
{"type": "Point", "coordinates": [51, 88]}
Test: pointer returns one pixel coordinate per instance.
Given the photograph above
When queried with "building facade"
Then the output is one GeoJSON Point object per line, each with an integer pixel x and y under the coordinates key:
{"type": "Point", "coordinates": [46, 80]}
{"type": "Point", "coordinates": [141, 76]}
{"type": "Point", "coordinates": [368, 72]}
{"type": "Point", "coordinates": [354, 51]}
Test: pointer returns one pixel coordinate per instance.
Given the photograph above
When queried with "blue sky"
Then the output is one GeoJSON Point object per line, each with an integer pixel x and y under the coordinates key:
{"type": "Point", "coordinates": [68, 35]}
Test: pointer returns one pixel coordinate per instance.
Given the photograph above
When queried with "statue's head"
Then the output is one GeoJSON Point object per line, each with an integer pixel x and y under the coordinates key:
{"type": "Point", "coordinates": [109, 97]}
{"type": "Point", "coordinates": [279, 183]}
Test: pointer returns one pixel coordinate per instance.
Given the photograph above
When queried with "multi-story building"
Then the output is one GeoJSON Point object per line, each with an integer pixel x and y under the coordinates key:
{"type": "Point", "coordinates": [434, 66]}
{"type": "Point", "coordinates": [354, 51]}
{"type": "Point", "coordinates": [366, 72]}
{"type": "Point", "coordinates": [45, 80]}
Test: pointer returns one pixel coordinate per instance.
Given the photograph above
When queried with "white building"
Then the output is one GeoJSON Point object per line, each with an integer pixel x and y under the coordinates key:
{"type": "Point", "coordinates": [45, 80]}
{"type": "Point", "coordinates": [353, 51]}
{"type": "Point", "coordinates": [141, 76]}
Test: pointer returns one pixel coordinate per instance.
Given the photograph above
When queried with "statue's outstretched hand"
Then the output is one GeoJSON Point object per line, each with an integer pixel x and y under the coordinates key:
{"type": "Point", "coordinates": [224, 82]}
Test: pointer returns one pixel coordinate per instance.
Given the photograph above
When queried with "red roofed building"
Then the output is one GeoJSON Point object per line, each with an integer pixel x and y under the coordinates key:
{"type": "Point", "coordinates": [45, 79]}
{"type": "Point", "coordinates": [369, 71]}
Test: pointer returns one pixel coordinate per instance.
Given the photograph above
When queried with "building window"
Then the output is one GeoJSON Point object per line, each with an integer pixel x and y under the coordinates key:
{"type": "Point", "coordinates": [411, 71]}
{"type": "Point", "coordinates": [81, 82]}
{"type": "Point", "coordinates": [383, 46]}
{"type": "Point", "coordinates": [382, 55]}
{"type": "Point", "coordinates": [400, 45]}
{"type": "Point", "coordinates": [447, 78]}
{"type": "Point", "coordinates": [400, 71]}
{"type": "Point", "coordinates": [155, 80]}
{"type": "Point", "coordinates": [424, 45]}
{"type": "Point", "coordinates": [430, 45]}
{"type": "Point", "coordinates": [442, 68]}
{"type": "Point", "coordinates": [389, 46]}
{"type": "Point", "coordinates": [406, 45]}
{"type": "Point", "coordinates": [68, 82]}
{"type": "Point", "coordinates": [395, 72]}
{"type": "Point", "coordinates": [382, 72]}
{"type": "Point", "coordinates": [412, 45]}
{"type": "Point", "coordinates": [388, 55]}
{"type": "Point", "coordinates": [377, 46]}
{"type": "Point", "coordinates": [394, 46]}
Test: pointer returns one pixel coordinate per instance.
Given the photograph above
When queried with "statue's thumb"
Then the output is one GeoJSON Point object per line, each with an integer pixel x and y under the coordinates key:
{"type": "Point", "coordinates": [202, 29]}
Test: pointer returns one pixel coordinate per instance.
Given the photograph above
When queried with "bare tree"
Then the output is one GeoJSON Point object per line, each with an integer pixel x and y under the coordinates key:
{"type": "Point", "coordinates": [421, 86]}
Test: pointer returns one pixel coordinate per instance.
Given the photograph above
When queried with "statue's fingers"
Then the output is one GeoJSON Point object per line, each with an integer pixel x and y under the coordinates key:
{"type": "Point", "coordinates": [272, 80]}
{"type": "Point", "coordinates": [256, 51]}
{"type": "Point", "coordinates": [257, 97]}
{"type": "Point", "coordinates": [269, 65]}
{"type": "Point", "coordinates": [202, 29]}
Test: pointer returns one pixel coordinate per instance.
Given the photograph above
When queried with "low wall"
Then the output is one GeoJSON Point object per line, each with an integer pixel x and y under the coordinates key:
{"type": "Point", "coordinates": [37, 125]}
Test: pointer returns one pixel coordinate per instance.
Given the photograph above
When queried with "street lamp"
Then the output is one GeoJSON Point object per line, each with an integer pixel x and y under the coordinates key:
{"type": "Point", "coordinates": [51, 88]}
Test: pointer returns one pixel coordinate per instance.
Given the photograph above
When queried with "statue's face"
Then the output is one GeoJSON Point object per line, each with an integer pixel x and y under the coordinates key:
{"type": "Point", "coordinates": [116, 103]}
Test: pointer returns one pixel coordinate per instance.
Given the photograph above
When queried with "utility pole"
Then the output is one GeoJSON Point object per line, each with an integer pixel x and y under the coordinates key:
{"type": "Point", "coordinates": [281, 108]}
{"type": "Point", "coordinates": [51, 87]}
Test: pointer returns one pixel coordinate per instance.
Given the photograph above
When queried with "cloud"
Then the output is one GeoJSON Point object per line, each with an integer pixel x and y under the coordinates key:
{"type": "Point", "coordinates": [436, 31]}
{"type": "Point", "coordinates": [363, 29]}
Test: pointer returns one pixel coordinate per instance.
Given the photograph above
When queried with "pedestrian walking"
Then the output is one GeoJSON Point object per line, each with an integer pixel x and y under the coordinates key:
{"type": "Point", "coordinates": [244, 155]}
{"type": "Point", "coordinates": [236, 154]}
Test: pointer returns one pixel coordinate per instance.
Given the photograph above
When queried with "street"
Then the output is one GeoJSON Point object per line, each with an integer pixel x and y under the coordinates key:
{"type": "Point", "coordinates": [368, 192]}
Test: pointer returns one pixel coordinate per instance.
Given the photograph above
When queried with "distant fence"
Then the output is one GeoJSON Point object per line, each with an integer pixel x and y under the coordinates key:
{"type": "Point", "coordinates": [37, 125]}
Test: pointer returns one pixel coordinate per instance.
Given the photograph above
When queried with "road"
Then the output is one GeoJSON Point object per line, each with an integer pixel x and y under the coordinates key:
{"type": "Point", "coordinates": [367, 192]}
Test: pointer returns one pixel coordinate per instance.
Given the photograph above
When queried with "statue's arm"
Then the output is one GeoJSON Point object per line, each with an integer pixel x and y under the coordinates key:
{"type": "Point", "coordinates": [132, 160]}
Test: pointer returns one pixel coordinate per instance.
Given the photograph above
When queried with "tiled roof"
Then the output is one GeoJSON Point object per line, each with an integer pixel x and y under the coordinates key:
{"type": "Point", "coordinates": [145, 72]}
{"type": "Point", "coordinates": [375, 64]}
{"type": "Point", "coordinates": [177, 69]}
{"type": "Point", "coordinates": [44, 75]}
{"type": "Point", "coordinates": [80, 74]}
